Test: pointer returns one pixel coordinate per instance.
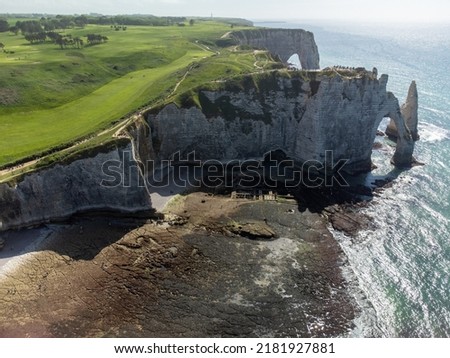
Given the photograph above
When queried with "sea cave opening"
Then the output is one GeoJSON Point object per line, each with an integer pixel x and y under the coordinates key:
{"type": "Point", "coordinates": [383, 149]}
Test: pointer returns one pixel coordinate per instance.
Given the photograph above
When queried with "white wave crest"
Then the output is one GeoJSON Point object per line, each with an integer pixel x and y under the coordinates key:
{"type": "Point", "coordinates": [431, 133]}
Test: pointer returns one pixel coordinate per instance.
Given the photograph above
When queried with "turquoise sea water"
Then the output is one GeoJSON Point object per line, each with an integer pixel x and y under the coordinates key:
{"type": "Point", "coordinates": [403, 265]}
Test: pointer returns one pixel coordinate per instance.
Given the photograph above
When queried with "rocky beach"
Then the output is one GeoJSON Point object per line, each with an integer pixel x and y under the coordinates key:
{"type": "Point", "coordinates": [214, 267]}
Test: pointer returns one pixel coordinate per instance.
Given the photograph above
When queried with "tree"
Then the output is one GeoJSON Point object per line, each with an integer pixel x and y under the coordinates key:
{"type": "Point", "coordinates": [4, 25]}
{"type": "Point", "coordinates": [36, 37]}
{"type": "Point", "coordinates": [53, 36]}
{"type": "Point", "coordinates": [94, 39]}
{"type": "Point", "coordinates": [29, 27]}
{"type": "Point", "coordinates": [191, 22]}
{"type": "Point", "coordinates": [81, 21]}
{"type": "Point", "coordinates": [2, 46]}
{"type": "Point", "coordinates": [62, 42]}
{"type": "Point", "coordinates": [14, 29]}
{"type": "Point", "coordinates": [78, 42]}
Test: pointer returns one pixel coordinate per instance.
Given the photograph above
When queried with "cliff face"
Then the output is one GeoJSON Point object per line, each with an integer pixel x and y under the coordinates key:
{"type": "Point", "coordinates": [283, 43]}
{"type": "Point", "coordinates": [63, 190]}
{"type": "Point", "coordinates": [303, 117]}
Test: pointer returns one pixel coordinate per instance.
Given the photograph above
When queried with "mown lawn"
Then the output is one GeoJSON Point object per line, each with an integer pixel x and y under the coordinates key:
{"type": "Point", "coordinates": [44, 76]}
{"type": "Point", "coordinates": [55, 96]}
{"type": "Point", "coordinates": [24, 134]}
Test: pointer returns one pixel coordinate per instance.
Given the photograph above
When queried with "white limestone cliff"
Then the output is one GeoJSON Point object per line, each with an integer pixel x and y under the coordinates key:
{"type": "Point", "coordinates": [304, 117]}
{"type": "Point", "coordinates": [282, 43]}
{"type": "Point", "coordinates": [63, 190]}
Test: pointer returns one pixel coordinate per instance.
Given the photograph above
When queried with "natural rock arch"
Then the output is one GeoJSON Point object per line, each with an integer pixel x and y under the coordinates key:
{"type": "Point", "coordinates": [282, 43]}
{"type": "Point", "coordinates": [403, 156]}
{"type": "Point", "coordinates": [409, 112]}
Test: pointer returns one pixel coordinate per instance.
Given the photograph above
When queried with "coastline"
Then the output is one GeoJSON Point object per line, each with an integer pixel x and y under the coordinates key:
{"type": "Point", "coordinates": [365, 323]}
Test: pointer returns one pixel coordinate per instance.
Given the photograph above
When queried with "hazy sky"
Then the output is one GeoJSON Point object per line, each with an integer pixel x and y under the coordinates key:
{"type": "Point", "coordinates": [375, 10]}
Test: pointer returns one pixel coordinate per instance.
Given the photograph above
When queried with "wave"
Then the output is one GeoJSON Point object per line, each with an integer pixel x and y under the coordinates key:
{"type": "Point", "coordinates": [435, 111]}
{"type": "Point", "coordinates": [430, 133]}
{"type": "Point", "coordinates": [401, 264]}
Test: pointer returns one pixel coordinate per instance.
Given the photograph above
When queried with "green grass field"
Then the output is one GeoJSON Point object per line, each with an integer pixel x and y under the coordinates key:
{"type": "Point", "coordinates": [51, 97]}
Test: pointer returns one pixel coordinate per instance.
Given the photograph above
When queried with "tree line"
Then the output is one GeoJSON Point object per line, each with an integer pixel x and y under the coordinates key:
{"type": "Point", "coordinates": [65, 41]}
{"type": "Point", "coordinates": [62, 22]}
{"type": "Point", "coordinates": [44, 24]}
{"type": "Point", "coordinates": [136, 20]}
{"type": "Point", "coordinates": [43, 29]}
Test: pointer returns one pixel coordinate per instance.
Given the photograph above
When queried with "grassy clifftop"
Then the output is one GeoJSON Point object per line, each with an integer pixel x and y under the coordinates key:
{"type": "Point", "coordinates": [267, 79]}
{"type": "Point", "coordinates": [53, 97]}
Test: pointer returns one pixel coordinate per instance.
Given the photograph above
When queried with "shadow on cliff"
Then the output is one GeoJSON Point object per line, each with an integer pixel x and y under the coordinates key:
{"type": "Point", "coordinates": [361, 189]}
{"type": "Point", "coordinates": [357, 189]}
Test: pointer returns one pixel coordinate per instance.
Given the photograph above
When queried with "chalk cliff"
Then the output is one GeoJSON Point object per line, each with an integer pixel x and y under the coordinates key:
{"type": "Point", "coordinates": [303, 114]}
{"type": "Point", "coordinates": [282, 43]}
{"type": "Point", "coordinates": [66, 189]}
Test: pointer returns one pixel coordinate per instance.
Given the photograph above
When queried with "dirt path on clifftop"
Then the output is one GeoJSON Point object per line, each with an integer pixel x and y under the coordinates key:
{"type": "Point", "coordinates": [214, 268]}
